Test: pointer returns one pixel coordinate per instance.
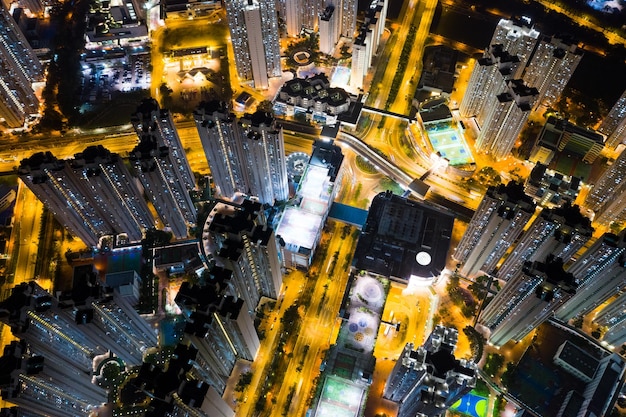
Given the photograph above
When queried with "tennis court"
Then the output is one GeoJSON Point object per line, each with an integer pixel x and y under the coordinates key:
{"type": "Point", "coordinates": [451, 145]}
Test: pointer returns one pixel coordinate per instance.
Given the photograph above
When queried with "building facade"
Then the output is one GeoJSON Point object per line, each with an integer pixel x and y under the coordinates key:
{"type": "Point", "coordinates": [161, 164]}
{"type": "Point", "coordinates": [63, 343]}
{"type": "Point", "coordinates": [528, 299]}
{"type": "Point", "coordinates": [506, 114]}
{"type": "Point", "coordinates": [328, 29]}
{"type": "Point", "coordinates": [614, 124]}
{"type": "Point", "coordinates": [554, 61]}
{"type": "Point", "coordinates": [497, 223]}
{"type": "Point", "coordinates": [608, 196]}
{"type": "Point", "coordinates": [517, 36]}
{"type": "Point", "coordinates": [613, 319]}
{"type": "Point", "coordinates": [218, 326]}
{"type": "Point", "coordinates": [488, 79]}
{"type": "Point", "coordinates": [245, 155]}
{"type": "Point", "coordinates": [558, 232]}
{"type": "Point", "coordinates": [347, 24]}
{"type": "Point", "coordinates": [19, 70]}
{"type": "Point", "coordinates": [93, 195]}
{"type": "Point", "coordinates": [365, 43]}
{"type": "Point", "coordinates": [254, 35]}
{"type": "Point", "coordinates": [600, 273]}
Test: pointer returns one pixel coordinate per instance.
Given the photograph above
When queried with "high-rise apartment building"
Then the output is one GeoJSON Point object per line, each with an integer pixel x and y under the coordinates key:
{"type": "Point", "coordinates": [366, 42]}
{"type": "Point", "coordinates": [506, 114]}
{"type": "Point", "coordinates": [613, 319]}
{"type": "Point", "coordinates": [328, 29]}
{"type": "Point", "coordinates": [92, 195]}
{"type": "Point", "coordinates": [608, 197]}
{"type": "Point", "coordinates": [216, 127]}
{"type": "Point", "coordinates": [558, 232]}
{"type": "Point", "coordinates": [504, 60]}
{"type": "Point", "coordinates": [218, 326]}
{"type": "Point", "coordinates": [600, 273]}
{"type": "Point", "coordinates": [516, 72]}
{"type": "Point", "coordinates": [44, 387]}
{"type": "Point", "coordinates": [293, 19]}
{"type": "Point", "coordinates": [552, 65]}
{"type": "Point", "coordinates": [495, 226]}
{"type": "Point", "coordinates": [66, 339]}
{"type": "Point", "coordinates": [303, 14]}
{"type": "Point", "coordinates": [528, 299]}
{"type": "Point", "coordinates": [162, 167]}
{"type": "Point", "coordinates": [245, 155]}
{"type": "Point", "coordinates": [19, 69]}
{"type": "Point", "coordinates": [487, 80]}
{"type": "Point", "coordinates": [349, 9]}
{"type": "Point", "coordinates": [428, 380]}
{"type": "Point", "coordinates": [407, 372]}
{"type": "Point", "coordinates": [614, 124]}
{"type": "Point", "coordinates": [237, 237]}
{"type": "Point", "coordinates": [149, 118]}
{"type": "Point", "coordinates": [254, 35]}
{"type": "Point", "coordinates": [361, 54]}
{"type": "Point", "coordinates": [518, 37]}
{"type": "Point", "coordinates": [263, 154]}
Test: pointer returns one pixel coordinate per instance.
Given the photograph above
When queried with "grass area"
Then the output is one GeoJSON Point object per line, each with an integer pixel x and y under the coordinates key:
{"type": "Point", "coordinates": [365, 166]}
{"type": "Point", "coordinates": [389, 184]}
{"type": "Point", "coordinates": [9, 180]}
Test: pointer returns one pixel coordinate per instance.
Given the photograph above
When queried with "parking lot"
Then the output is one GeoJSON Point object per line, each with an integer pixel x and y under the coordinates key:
{"type": "Point", "coordinates": [101, 79]}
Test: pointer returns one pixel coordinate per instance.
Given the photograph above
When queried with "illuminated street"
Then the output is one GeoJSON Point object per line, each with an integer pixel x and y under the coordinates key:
{"type": "Point", "coordinates": [190, 58]}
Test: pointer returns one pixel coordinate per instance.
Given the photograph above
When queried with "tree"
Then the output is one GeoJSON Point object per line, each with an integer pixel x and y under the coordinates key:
{"type": "Point", "coordinates": [244, 380]}
{"type": "Point", "coordinates": [508, 376]}
{"type": "Point", "coordinates": [266, 106]}
{"type": "Point", "coordinates": [578, 322]}
{"type": "Point", "coordinates": [493, 364]}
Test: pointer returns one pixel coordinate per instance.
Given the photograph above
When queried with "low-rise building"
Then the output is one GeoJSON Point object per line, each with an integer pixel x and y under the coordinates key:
{"type": "Point", "coordinates": [314, 98]}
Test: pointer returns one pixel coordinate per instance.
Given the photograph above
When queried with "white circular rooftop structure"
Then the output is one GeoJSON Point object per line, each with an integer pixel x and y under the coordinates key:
{"type": "Point", "coordinates": [423, 258]}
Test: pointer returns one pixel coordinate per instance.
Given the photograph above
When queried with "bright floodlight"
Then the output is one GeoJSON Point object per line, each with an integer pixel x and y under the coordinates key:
{"type": "Point", "coordinates": [423, 258]}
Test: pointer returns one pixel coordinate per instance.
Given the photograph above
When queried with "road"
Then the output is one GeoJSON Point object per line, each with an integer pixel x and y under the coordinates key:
{"type": "Point", "coordinates": [317, 327]}
{"type": "Point", "coordinates": [316, 331]}
{"type": "Point", "coordinates": [24, 241]}
{"type": "Point", "coordinates": [583, 20]}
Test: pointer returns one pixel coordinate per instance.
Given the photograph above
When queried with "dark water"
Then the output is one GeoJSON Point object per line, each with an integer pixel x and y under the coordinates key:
{"type": "Point", "coordinates": [474, 29]}
{"type": "Point", "coordinates": [596, 76]}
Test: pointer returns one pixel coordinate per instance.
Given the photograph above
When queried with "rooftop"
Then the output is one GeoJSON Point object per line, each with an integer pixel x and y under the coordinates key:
{"type": "Point", "coordinates": [404, 238]}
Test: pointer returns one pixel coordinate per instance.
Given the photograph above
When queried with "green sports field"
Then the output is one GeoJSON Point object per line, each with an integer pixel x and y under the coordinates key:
{"type": "Point", "coordinates": [451, 145]}
{"type": "Point", "coordinates": [340, 398]}
{"type": "Point", "coordinates": [471, 405]}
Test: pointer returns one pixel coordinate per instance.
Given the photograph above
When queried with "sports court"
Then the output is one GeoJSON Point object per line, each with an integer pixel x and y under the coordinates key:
{"type": "Point", "coordinates": [450, 144]}
{"type": "Point", "coordinates": [340, 77]}
{"type": "Point", "coordinates": [340, 398]}
{"type": "Point", "coordinates": [471, 405]}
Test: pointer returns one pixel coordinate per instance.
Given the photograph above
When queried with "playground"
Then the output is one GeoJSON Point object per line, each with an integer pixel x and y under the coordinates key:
{"type": "Point", "coordinates": [451, 145]}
